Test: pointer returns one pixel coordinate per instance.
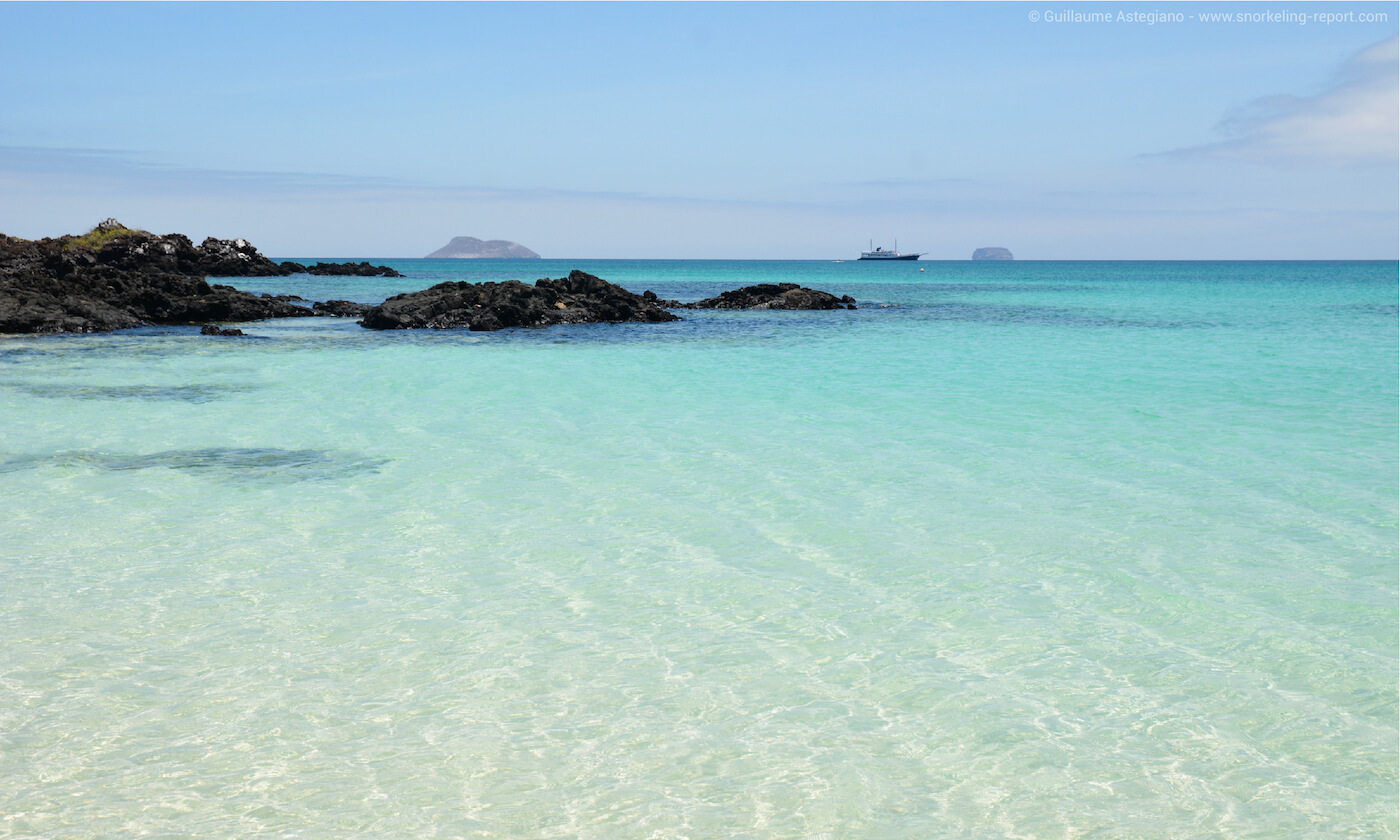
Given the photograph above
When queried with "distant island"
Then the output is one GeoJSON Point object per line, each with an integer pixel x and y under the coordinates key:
{"type": "Point", "coordinates": [992, 254]}
{"type": "Point", "coordinates": [471, 248]}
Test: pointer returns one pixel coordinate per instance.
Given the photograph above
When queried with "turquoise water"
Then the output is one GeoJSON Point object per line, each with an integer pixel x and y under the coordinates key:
{"type": "Point", "coordinates": [1026, 550]}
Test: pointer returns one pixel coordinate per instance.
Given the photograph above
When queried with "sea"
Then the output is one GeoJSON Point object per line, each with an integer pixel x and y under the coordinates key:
{"type": "Point", "coordinates": [1013, 550]}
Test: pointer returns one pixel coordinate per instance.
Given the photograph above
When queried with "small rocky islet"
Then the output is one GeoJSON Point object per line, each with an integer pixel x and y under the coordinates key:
{"type": "Point", "coordinates": [471, 248]}
{"type": "Point", "coordinates": [773, 296]}
{"type": "Point", "coordinates": [579, 298]}
{"type": "Point", "coordinates": [115, 277]}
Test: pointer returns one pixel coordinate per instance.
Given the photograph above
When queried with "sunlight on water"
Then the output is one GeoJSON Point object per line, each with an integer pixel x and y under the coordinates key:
{"type": "Point", "coordinates": [1015, 550]}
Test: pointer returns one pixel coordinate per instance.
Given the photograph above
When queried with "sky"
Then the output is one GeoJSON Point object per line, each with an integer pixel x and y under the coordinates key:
{"type": "Point", "coordinates": [710, 130]}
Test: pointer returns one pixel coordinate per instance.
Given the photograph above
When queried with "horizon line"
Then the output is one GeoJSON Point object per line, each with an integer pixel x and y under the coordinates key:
{"type": "Point", "coordinates": [838, 260]}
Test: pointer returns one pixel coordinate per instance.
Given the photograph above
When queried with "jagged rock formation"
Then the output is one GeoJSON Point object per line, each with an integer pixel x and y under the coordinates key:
{"type": "Point", "coordinates": [114, 277]}
{"type": "Point", "coordinates": [992, 254]}
{"type": "Point", "coordinates": [577, 299]}
{"type": "Point", "coordinates": [126, 249]}
{"type": "Point", "coordinates": [471, 248]}
{"type": "Point", "coordinates": [773, 296]}
{"type": "Point", "coordinates": [214, 329]}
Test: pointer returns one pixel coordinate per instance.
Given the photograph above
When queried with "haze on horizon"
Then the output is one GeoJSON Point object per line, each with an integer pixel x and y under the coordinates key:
{"type": "Point", "coordinates": [787, 130]}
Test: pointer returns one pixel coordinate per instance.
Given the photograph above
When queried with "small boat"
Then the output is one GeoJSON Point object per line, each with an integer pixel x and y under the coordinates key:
{"type": "Point", "coordinates": [881, 254]}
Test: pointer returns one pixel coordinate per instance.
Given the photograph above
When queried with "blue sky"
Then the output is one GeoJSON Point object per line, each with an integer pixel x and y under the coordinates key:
{"type": "Point", "coordinates": [710, 130]}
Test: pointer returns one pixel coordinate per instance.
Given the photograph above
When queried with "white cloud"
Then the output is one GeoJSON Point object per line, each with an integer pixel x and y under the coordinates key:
{"type": "Point", "coordinates": [1356, 119]}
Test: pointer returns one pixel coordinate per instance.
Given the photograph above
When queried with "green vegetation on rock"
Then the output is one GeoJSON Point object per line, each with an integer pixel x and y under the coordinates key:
{"type": "Point", "coordinates": [102, 234]}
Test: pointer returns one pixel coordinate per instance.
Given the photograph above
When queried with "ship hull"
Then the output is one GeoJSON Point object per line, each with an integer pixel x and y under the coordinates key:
{"type": "Point", "coordinates": [883, 257]}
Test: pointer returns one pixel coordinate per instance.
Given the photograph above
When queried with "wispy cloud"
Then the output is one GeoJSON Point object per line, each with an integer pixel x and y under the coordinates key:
{"type": "Point", "coordinates": [1356, 119]}
{"type": "Point", "coordinates": [132, 167]}
{"type": "Point", "coordinates": [133, 173]}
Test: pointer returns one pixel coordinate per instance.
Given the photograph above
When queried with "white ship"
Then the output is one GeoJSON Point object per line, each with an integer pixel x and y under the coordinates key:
{"type": "Point", "coordinates": [881, 254]}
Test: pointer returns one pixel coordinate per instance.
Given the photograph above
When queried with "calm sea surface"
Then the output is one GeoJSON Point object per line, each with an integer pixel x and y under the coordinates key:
{"type": "Point", "coordinates": [1020, 550]}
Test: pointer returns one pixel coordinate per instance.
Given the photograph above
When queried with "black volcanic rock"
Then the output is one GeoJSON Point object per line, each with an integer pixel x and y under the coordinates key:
{"type": "Point", "coordinates": [230, 258]}
{"type": "Point", "coordinates": [324, 269]}
{"type": "Point", "coordinates": [114, 277]}
{"type": "Point", "coordinates": [115, 246]}
{"type": "Point", "coordinates": [650, 297]}
{"type": "Point", "coordinates": [471, 248]}
{"type": "Point", "coordinates": [214, 329]}
{"type": "Point", "coordinates": [991, 254]}
{"type": "Point", "coordinates": [577, 299]}
{"type": "Point", "coordinates": [341, 308]}
{"type": "Point", "coordinates": [773, 296]}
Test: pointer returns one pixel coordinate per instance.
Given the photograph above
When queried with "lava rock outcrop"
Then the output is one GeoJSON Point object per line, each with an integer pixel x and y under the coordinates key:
{"type": "Point", "coordinates": [115, 277]}
{"type": "Point", "coordinates": [348, 269]}
{"type": "Point", "coordinates": [579, 298]}
{"type": "Point", "coordinates": [773, 296]}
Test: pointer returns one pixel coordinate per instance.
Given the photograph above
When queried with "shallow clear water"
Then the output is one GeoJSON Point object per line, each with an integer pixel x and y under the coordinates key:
{"type": "Point", "coordinates": [1015, 550]}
